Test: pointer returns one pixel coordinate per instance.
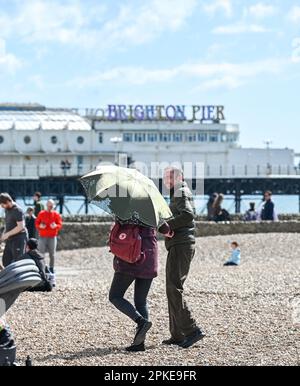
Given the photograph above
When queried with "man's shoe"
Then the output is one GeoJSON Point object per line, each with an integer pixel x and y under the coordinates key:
{"type": "Point", "coordinates": [133, 348]}
{"type": "Point", "coordinates": [172, 342]}
{"type": "Point", "coordinates": [141, 333]}
{"type": "Point", "coordinates": [193, 339]}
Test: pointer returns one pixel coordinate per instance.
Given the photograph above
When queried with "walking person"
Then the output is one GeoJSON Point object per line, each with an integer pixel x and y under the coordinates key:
{"type": "Point", "coordinates": [181, 251]}
{"type": "Point", "coordinates": [15, 234]}
{"type": "Point", "coordinates": [38, 205]}
{"type": "Point", "coordinates": [49, 223]}
{"type": "Point", "coordinates": [141, 272]}
{"type": "Point", "coordinates": [30, 223]}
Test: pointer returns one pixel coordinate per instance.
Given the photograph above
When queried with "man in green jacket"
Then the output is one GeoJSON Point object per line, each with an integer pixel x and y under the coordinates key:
{"type": "Point", "coordinates": [181, 251]}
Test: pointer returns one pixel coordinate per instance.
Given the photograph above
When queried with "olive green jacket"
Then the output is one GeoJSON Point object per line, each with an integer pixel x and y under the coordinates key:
{"type": "Point", "coordinates": [183, 222]}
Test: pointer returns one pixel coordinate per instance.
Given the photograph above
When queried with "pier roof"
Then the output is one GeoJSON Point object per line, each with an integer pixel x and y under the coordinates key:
{"type": "Point", "coordinates": [42, 120]}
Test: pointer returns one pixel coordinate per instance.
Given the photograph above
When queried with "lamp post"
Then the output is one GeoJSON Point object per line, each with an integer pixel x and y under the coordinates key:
{"type": "Point", "coordinates": [116, 141]}
{"type": "Point", "coordinates": [268, 144]}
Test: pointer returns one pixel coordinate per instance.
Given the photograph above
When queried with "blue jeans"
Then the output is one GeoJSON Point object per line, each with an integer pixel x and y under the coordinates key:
{"type": "Point", "coordinates": [119, 287]}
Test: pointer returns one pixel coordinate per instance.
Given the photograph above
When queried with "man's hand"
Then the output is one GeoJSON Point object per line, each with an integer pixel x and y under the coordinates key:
{"type": "Point", "coordinates": [43, 226]}
{"type": "Point", "coordinates": [170, 235]}
{"type": "Point", "coordinates": [4, 237]}
{"type": "Point", "coordinates": [53, 225]}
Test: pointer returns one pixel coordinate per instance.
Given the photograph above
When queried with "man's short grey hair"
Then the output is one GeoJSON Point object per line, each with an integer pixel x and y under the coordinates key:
{"type": "Point", "coordinates": [177, 172]}
{"type": "Point", "coordinates": [52, 202]}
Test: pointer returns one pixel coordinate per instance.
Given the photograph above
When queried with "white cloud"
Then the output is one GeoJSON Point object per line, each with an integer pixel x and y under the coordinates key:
{"type": "Point", "coordinates": [89, 26]}
{"type": "Point", "coordinates": [239, 28]}
{"type": "Point", "coordinates": [37, 21]}
{"type": "Point", "coordinates": [219, 5]}
{"type": "Point", "coordinates": [294, 14]}
{"type": "Point", "coordinates": [9, 63]}
{"type": "Point", "coordinates": [296, 50]}
{"type": "Point", "coordinates": [210, 75]}
{"type": "Point", "coordinates": [262, 10]}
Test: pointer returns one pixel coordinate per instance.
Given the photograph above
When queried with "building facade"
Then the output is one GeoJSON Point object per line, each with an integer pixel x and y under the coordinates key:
{"type": "Point", "coordinates": [38, 142]}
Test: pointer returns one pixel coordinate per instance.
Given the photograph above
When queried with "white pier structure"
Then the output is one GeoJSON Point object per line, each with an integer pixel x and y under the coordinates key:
{"type": "Point", "coordinates": [38, 142]}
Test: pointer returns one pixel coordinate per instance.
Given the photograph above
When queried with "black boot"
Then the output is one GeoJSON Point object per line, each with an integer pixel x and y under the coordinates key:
{"type": "Point", "coordinates": [139, 348]}
{"type": "Point", "coordinates": [141, 332]}
{"type": "Point", "coordinates": [172, 342]}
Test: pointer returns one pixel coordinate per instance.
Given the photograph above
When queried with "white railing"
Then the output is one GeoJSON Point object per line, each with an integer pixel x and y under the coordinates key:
{"type": "Point", "coordinates": [211, 171]}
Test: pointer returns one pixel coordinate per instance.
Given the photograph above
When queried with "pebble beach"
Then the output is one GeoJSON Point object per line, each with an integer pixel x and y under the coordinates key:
{"type": "Point", "coordinates": [251, 314]}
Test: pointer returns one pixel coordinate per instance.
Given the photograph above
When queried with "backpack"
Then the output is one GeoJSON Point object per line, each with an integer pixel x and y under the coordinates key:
{"type": "Point", "coordinates": [126, 242]}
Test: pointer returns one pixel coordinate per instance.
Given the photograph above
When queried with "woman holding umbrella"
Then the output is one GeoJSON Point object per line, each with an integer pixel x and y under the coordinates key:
{"type": "Point", "coordinates": [133, 240]}
{"type": "Point", "coordinates": [141, 273]}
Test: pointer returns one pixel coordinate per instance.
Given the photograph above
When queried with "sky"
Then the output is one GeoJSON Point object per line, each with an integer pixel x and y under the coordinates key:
{"type": "Point", "coordinates": [244, 55]}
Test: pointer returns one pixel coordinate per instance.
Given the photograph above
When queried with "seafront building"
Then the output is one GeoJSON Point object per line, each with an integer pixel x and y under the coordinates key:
{"type": "Point", "coordinates": [36, 141]}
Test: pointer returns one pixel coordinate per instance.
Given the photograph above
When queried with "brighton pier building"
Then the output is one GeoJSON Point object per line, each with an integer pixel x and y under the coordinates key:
{"type": "Point", "coordinates": [36, 141]}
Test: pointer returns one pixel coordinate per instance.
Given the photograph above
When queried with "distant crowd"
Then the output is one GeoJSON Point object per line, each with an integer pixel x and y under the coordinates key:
{"type": "Point", "coordinates": [265, 212]}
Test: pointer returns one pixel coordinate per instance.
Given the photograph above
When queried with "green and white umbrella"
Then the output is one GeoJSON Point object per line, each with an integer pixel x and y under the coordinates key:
{"type": "Point", "coordinates": [127, 194]}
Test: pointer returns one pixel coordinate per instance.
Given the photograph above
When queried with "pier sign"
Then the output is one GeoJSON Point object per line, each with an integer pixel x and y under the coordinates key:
{"type": "Point", "coordinates": [159, 112]}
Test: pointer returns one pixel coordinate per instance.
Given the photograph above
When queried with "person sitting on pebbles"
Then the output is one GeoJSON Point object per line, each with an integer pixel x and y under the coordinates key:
{"type": "Point", "coordinates": [235, 259]}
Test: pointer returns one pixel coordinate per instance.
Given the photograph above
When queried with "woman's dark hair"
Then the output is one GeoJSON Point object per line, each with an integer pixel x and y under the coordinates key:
{"type": "Point", "coordinates": [5, 198]}
{"type": "Point", "coordinates": [218, 201]}
{"type": "Point", "coordinates": [235, 244]}
{"type": "Point", "coordinates": [213, 198]}
{"type": "Point", "coordinates": [38, 194]}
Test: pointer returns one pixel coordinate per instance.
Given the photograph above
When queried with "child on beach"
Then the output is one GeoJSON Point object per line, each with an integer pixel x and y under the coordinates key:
{"type": "Point", "coordinates": [235, 259]}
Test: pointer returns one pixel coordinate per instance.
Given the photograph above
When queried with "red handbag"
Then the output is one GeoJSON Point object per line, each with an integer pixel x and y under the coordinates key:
{"type": "Point", "coordinates": [126, 243]}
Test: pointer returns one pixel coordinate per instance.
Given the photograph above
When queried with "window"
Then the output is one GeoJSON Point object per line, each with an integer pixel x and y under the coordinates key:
{"type": "Point", "coordinates": [214, 138]}
{"type": "Point", "coordinates": [202, 137]}
{"type": "Point", "coordinates": [1, 139]}
{"type": "Point", "coordinates": [127, 137]}
{"type": "Point", "coordinates": [27, 140]}
{"type": "Point", "coordinates": [191, 137]}
{"type": "Point", "coordinates": [100, 137]}
{"type": "Point", "coordinates": [232, 138]}
{"type": "Point", "coordinates": [177, 137]}
{"type": "Point", "coordinates": [140, 137]}
{"type": "Point", "coordinates": [54, 140]}
{"type": "Point", "coordinates": [152, 137]}
{"type": "Point", "coordinates": [165, 137]}
{"type": "Point", "coordinates": [80, 140]}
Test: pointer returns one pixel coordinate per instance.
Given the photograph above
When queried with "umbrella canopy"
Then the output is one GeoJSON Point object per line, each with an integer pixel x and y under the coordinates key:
{"type": "Point", "coordinates": [127, 194]}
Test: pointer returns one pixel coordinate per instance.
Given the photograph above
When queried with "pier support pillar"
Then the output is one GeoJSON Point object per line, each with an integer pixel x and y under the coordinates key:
{"type": "Point", "coordinates": [61, 204]}
{"type": "Point", "coordinates": [238, 199]}
{"type": "Point", "coordinates": [86, 206]}
{"type": "Point", "coordinates": [238, 202]}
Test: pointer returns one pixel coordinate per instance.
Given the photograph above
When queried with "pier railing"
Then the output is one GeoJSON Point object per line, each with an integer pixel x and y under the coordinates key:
{"type": "Point", "coordinates": [211, 171]}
